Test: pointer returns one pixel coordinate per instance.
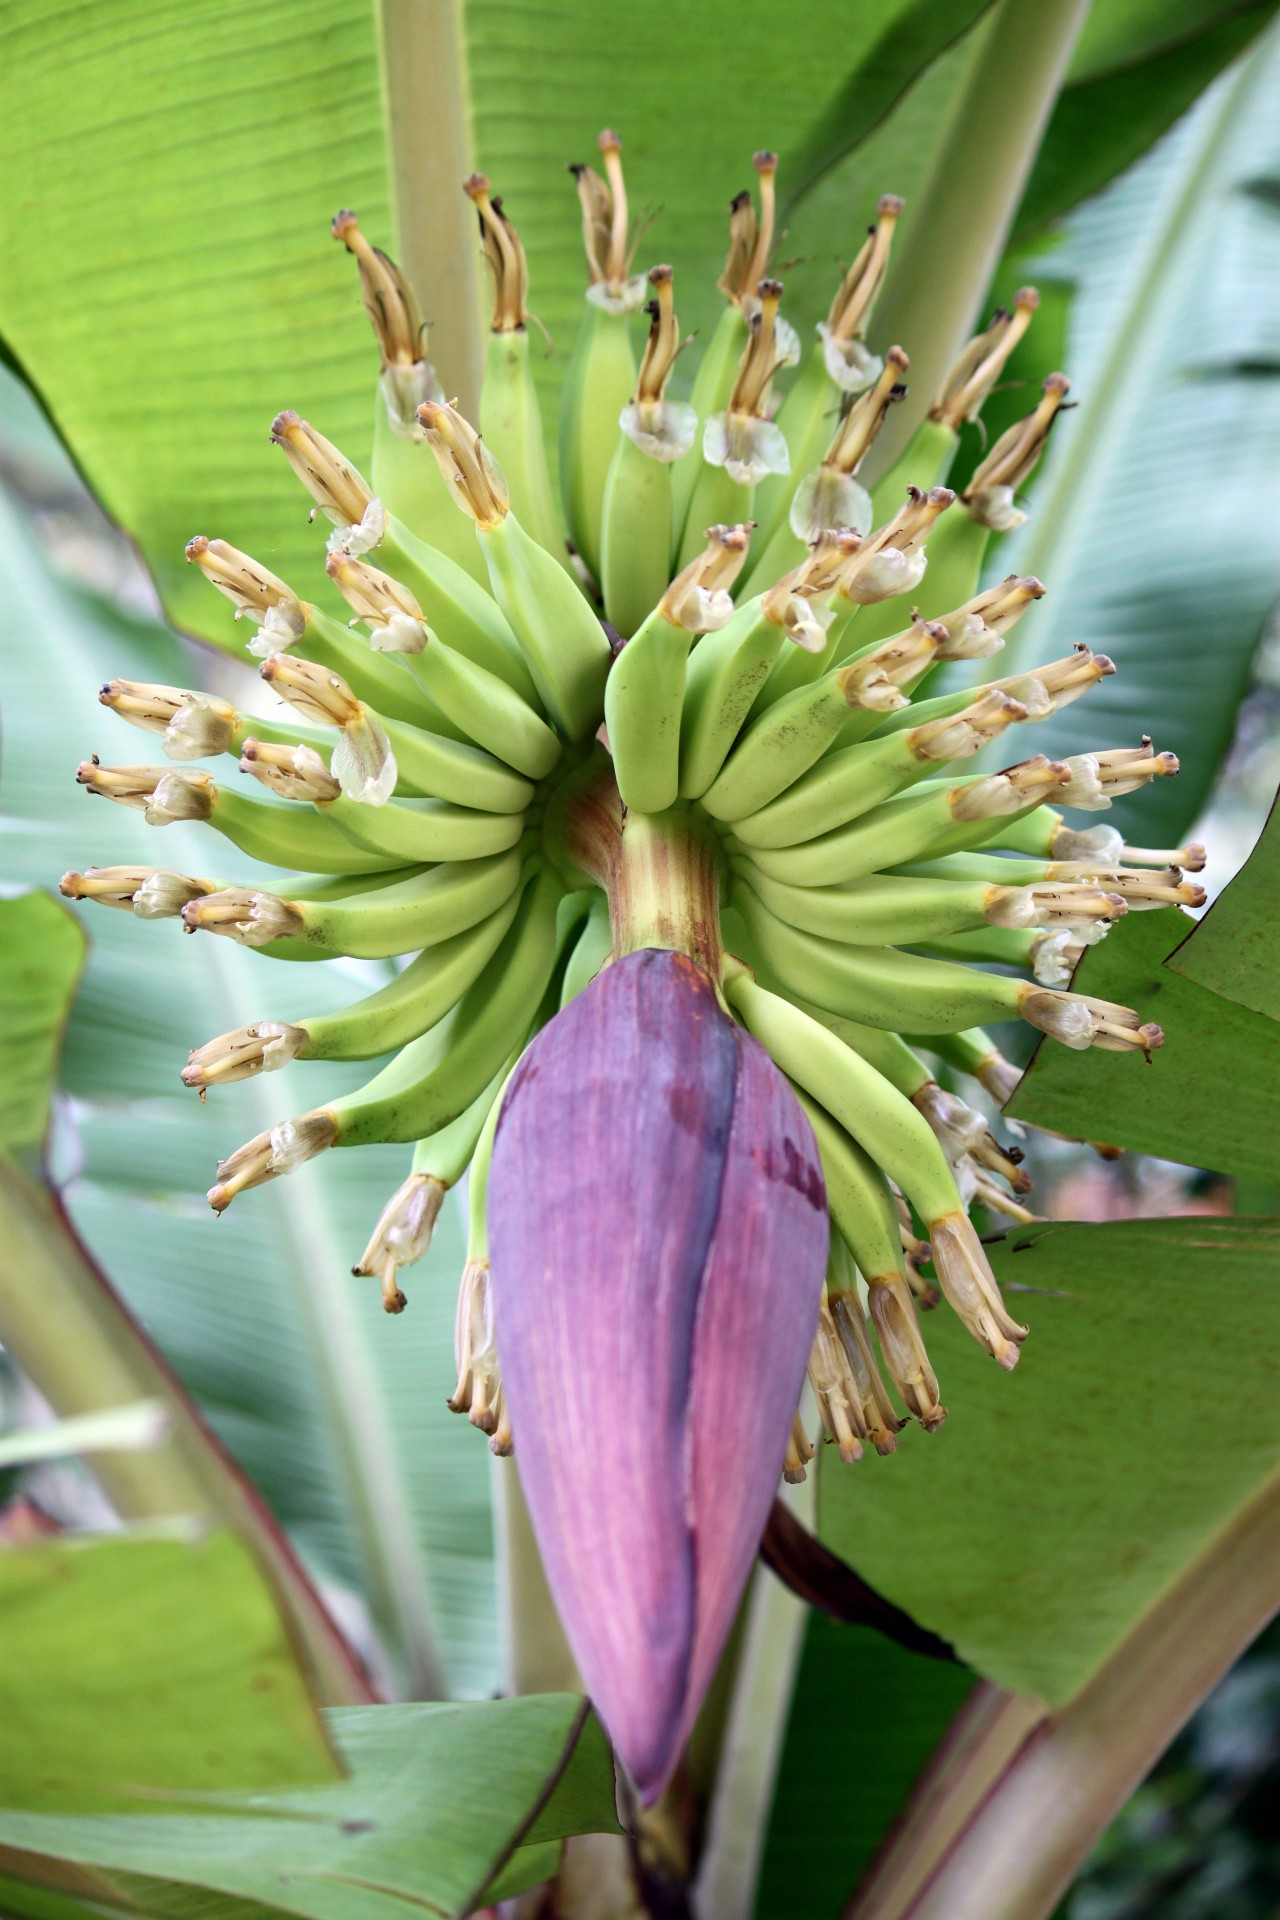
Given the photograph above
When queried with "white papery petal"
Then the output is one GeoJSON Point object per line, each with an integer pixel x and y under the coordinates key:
{"type": "Point", "coordinates": [628, 299]}
{"type": "Point", "coordinates": [825, 498]}
{"type": "Point", "coordinates": [748, 449]}
{"type": "Point", "coordinates": [1085, 790]}
{"type": "Point", "coordinates": [401, 633]}
{"type": "Point", "coordinates": [363, 763]}
{"type": "Point", "coordinates": [848, 362]}
{"type": "Point", "coordinates": [364, 537]}
{"type": "Point", "coordinates": [663, 429]}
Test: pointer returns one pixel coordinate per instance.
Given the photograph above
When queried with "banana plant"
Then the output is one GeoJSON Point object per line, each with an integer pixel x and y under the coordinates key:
{"type": "Point", "coordinates": [640, 769]}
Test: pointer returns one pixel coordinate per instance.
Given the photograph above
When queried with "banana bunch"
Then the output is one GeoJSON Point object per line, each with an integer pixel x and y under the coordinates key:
{"type": "Point", "coordinates": [694, 715]}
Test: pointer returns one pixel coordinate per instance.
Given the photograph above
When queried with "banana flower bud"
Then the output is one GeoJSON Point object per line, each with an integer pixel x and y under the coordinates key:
{"type": "Point", "coordinates": [246, 914]}
{"type": "Point", "coordinates": [743, 439]}
{"type": "Point", "coordinates": [750, 238]}
{"type": "Point", "coordinates": [657, 1226]}
{"type": "Point", "coordinates": [402, 1234]}
{"type": "Point", "coordinates": [473, 476]}
{"type": "Point", "coordinates": [978, 627]}
{"type": "Point", "coordinates": [1099, 778]}
{"type": "Point", "coordinates": [295, 773]}
{"type": "Point", "coordinates": [282, 1149]}
{"type": "Point", "coordinates": [504, 257]}
{"type": "Point", "coordinates": [261, 1048]}
{"type": "Point", "coordinates": [700, 597]}
{"type": "Point", "coordinates": [892, 560]}
{"type": "Point", "coordinates": [191, 724]}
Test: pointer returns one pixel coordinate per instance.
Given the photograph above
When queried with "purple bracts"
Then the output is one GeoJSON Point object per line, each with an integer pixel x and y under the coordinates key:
{"type": "Point", "coordinates": [658, 1238]}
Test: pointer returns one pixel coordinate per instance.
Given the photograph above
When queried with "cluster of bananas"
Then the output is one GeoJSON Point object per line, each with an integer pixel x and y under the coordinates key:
{"type": "Point", "coordinates": [693, 726]}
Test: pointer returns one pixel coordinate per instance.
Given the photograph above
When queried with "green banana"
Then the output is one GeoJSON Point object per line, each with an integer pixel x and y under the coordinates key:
{"type": "Point", "coordinates": [725, 673]}
{"type": "Point", "coordinates": [644, 694]}
{"type": "Point", "coordinates": [446, 1154]}
{"type": "Point", "coordinates": [881, 987]}
{"type": "Point", "coordinates": [994, 946]}
{"type": "Point", "coordinates": [874, 1114]}
{"type": "Point", "coordinates": [511, 423]}
{"type": "Point", "coordinates": [937, 818]}
{"type": "Point", "coordinates": [421, 1092]}
{"type": "Point", "coordinates": [591, 950]}
{"type": "Point", "coordinates": [861, 1204]}
{"type": "Point", "coordinates": [643, 698]}
{"type": "Point", "coordinates": [419, 910]}
{"type": "Point", "coordinates": [283, 835]}
{"type": "Point", "coordinates": [458, 607]}
{"type": "Point", "coordinates": [881, 910]}
{"type": "Point", "coordinates": [781, 745]}
{"type": "Point", "coordinates": [429, 764]}
{"type": "Point", "coordinates": [426, 830]}
{"type": "Point", "coordinates": [598, 385]}
{"type": "Point", "coordinates": [849, 783]}
{"type": "Point", "coordinates": [562, 639]}
{"type": "Point", "coordinates": [635, 540]}
{"type": "Point", "coordinates": [411, 1004]}
{"type": "Point", "coordinates": [486, 708]}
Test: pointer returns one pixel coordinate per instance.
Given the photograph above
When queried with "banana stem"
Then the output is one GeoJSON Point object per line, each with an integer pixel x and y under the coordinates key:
{"type": "Point", "coordinates": [664, 888]}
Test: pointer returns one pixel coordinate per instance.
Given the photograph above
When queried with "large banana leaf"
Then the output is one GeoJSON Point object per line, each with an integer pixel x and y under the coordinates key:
{"type": "Point", "coordinates": [1059, 1504]}
{"type": "Point", "coordinates": [439, 1801]}
{"type": "Point", "coordinates": [1155, 523]}
{"type": "Point", "coordinates": [166, 281]}
{"type": "Point", "coordinates": [147, 1663]}
{"type": "Point", "coordinates": [41, 953]}
{"type": "Point", "coordinates": [1208, 1097]}
{"type": "Point", "coordinates": [336, 1411]}
{"type": "Point", "coordinates": [1233, 952]}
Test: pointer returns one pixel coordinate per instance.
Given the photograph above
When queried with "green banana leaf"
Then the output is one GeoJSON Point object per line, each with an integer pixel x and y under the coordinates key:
{"type": "Point", "coordinates": [1035, 1557]}
{"type": "Point", "coordinates": [167, 282]}
{"type": "Point", "coordinates": [1208, 1097]}
{"type": "Point", "coordinates": [147, 1663]}
{"type": "Point", "coordinates": [438, 1801]}
{"type": "Point", "coordinates": [1153, 522]}
{"type": "Point", "coordinates": [1232, 951]}
{"type": "Point", "coordinates": [42, 949]}
{"type": "Point", "coordinates": [336, 1411]}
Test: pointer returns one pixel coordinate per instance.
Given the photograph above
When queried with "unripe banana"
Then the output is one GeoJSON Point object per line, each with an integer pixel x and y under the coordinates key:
{"type": "Point", "coordinates": [725, 673]}
{"type": "Point", "coordinates": [635, 539]}
{"type": "Point", "coordinates": [881, 987]}
{"type": "Point", "coordinates": [419, 1092]}
{"type": "Point", "coordinates": [847, 784]}
{"type": "Point", "coordinates": [937, 818]}
{"type": "Point", "coordinates": [418, 909]}
{"type": "Point", "coordinates": [561, 637]}
{"type": "Point", "coordinates": [419, 996]}
{"type": "Point", "coordinates": [881, 910]}
{"type": "Point", "coordinates": [458, 607]}
{"type": "Point", "coordinates": [285, 835]}
{"type": "Point", "coordinates": [511, 423]}
{"type": "Point", "coordinates": [644, 694]}
{"type": "Point", "coordinates": [598, 385]}
{"type": "Point", "coordinates": [430, 830]}
{"type": "Point", "coordinates": [383, 679]}
{"type": "Point", "coordinates": [591, 950]}
{"type": "Point", "coordinates": [486, 709]}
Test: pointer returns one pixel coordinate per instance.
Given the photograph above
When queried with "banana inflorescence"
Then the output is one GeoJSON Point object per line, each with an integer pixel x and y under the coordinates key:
{"type": "Point", "coordinates": [698, 713]}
